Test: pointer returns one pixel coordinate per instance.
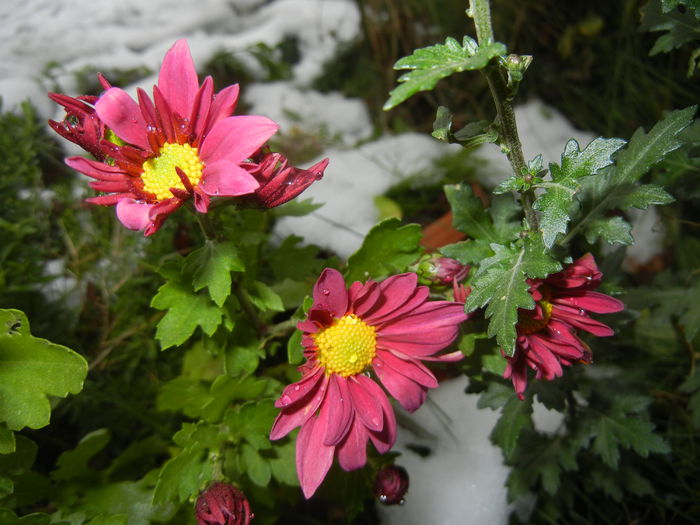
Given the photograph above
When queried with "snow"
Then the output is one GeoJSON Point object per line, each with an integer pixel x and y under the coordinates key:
{"type": "Point", "coordinates": [462, 480]}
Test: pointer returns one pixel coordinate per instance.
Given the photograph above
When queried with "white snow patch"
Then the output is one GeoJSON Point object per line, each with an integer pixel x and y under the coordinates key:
{"type": "Point", "coordinates": [352, 180]}
{"type": "Point", "coordinates": [340, 117]}
{"type": "Point", "coordinates": [462, 481]}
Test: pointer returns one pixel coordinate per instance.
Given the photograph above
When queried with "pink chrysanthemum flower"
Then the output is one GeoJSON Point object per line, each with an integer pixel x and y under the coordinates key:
{"type": "Point", "coordinates": [156, 154]}
{"type": "Point", "coordinates": [547, 334]}
{"type": "Point", "coordinates": [387, 328]}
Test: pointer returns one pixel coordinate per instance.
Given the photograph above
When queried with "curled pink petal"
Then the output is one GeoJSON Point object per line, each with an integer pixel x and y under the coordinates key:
{"type": "Point", "coordinates": [134, 215]}
{"type": "Point", "coordinates": [122, 115]}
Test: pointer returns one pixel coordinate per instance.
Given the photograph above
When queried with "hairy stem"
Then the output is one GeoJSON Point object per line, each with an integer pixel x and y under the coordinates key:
{"type": "Point", "coordinates": [480, 11]}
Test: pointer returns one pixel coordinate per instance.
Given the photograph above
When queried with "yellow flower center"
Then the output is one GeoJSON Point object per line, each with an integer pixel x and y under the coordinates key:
{"type": "Point", "coordinates": [346, 347]}
{"type": "Point", "coordinates": [159, 173]}
{"type": "Point", "coordinates": [528, 325]}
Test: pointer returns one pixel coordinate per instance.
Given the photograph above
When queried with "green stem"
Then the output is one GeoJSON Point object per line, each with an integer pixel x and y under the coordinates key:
{"type": "Point", "coordinates": [480, 11]}
{"type": "Point", "coordinates": [212, 234]}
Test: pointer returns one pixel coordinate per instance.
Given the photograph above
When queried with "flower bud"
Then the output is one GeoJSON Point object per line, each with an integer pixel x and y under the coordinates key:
{"type": "Point", "coordinates": [391, 484]}
{"type": "Point", "coordinates": [222, 504]}
{"type": "Point", "coordinates": [443, 271]}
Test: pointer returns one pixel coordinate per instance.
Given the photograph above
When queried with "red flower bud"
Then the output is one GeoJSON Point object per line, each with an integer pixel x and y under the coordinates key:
{"type": "Point", "coordinates": [222, 504]}
{"type": "Point", "coordinates": [391, 484]}
{"type": "Point", "coordinates": [448, 270]}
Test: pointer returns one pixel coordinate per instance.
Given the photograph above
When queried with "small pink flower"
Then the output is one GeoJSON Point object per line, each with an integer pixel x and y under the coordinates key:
{"type": "Point", "coordinates": [222, 504]}
{"type": "Point", "coordinates": [351, 338]}
{"type": "Point", "coordinates": [547, 334]}
{"type": "Point", "coordinates": [184, 143]}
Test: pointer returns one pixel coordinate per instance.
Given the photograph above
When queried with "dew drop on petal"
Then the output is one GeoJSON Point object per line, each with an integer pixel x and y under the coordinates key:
{"type": "Point", "coordinates": [296, 388]}
{"type": "Point", "coordinates": [325, 292]}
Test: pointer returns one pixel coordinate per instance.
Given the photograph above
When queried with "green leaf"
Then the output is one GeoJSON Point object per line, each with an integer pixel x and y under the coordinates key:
{"type": "Point", "coordinates": [283, 466]}
{"type": "Point", "coordinates": [73, 464]}
{"type": "Point", "coordinates": [295, 351]}
{"type": "Point", "coordinates": [443, 124]}
{"type": "Point", "coordinates": [294, 262]}
{"type": "Point", "coordinates": [468, 213]}
{"type": "Point", "coordinates": [430, 64]}
{"type": "Point", "coordinates": [257, 468]}
{"type": "Point", "coordinates": [642, 196]}
{"type": "Point", "coordinates": [212, 265]}
{"type": "Point", "coordinates": [471, 251]}
{"type": "Point", "coordinates": [559, 193]}
{"type": "Point", "coordinates": [515, 416]}
{"type": "Point", "coordinates": [183, 476]}
{"type": "Point", "coordinates": [388, 248]}
{"type": "Point", "coordinates": [265, 298]}
{"type": "Point", "coordinates": [538, 263]}
{"type": "Point", "coordinates": [616, 187]}
{"type": "Point", "coordinates": [500, 283]}
{"type": "Point", "coordinates": [31, 369]}
{"type": "Point", "coordinates": [692, 386]}
{"type": "Point", "coordinates": [186, 311]}
{"type": "Point", "coordinates": [680, 27]}
{"type": "Point", "coordinates": [8, 517]}
{"type": "Point", "coordinates": [7, 440]}
{"type": "Point", "coordinates": [614, 230]}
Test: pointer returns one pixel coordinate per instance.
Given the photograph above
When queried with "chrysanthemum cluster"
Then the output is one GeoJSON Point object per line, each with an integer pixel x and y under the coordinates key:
{"type": "Point", "coordinates": [152, 155]}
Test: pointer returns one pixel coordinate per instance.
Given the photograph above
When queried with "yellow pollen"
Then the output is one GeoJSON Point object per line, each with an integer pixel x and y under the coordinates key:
{"type": "Point", "coordinates": [528, 325]}
{"type": "Point", "coordinates": [347, 347]}
{"type": "Point", "coordinates": [159, 173]}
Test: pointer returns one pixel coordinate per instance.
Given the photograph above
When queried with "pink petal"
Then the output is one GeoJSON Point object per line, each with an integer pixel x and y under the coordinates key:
{"type": "Point", "coordinates": [297, 391]}
{"type": "Point", "coordinates": [314, 459]}
{"type": "Point", "coordinates": [352, 453]}
{"type": "Point", "coordinates": [177, 79]}
{"type": "Point", "coordinates": [410, 368]}
{"type": "Point", "coordinates": [516, 371]}
{"type": "Point", "coordinates": [236, 138]}
{"type": "Point", "coordinates": [367, 407]}
{"type": "Point", "coordinates": [340, 410]}
{"type": "Point", "coordinates": [579, 319]}
{"type": "Point", "coordinates": [298, 414]}
{"type": "Point", "coordinates": [201, 107]}
{"type": "Point", "coordinates": [120, 113]}
{"type": "Point", "coordinates": [223, 106]}
{"type": "Point", "coordinates": [362, 297]}
{"type": "Point", "coordinates": [109, 200]}
{"type": "Point", "coordinates": [396, 290]}
{"type": "Point", "coordinates": [409, 394]}
{"type": "Point", "coordinates": [96, 170]}
{"type": "Point", "coordinates": [596, 302]}
{"type": "Point", "coordinates": [201, 201]}
{"type": "Point", "coordinates": [330, 293]}
{"type": "Point", "coordinates": [428, 316]}
{"type": "Point", "coordinates": [419, 297]}
{"type": "Point", "coordinates": [384, 440]}
{"type": "Point", "coordinates": [549, 365]}
{"type": "Point", "coordinates": [226, 179]}
{"type": "Point", "coordinates": [134, 215]}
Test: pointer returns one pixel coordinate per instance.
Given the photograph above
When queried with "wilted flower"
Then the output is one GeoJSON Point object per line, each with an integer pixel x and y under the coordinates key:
{"type": "Point", "coordinates": [81, 124]}
{"type": "Point", "coordinates": [387, 328]}
{"type": "Point", "coordinates": [279, 182]}
{"type": "Point", "coordinates": [222, 504]}
{"type": "Point", "coordinates": [391, 484]}
{"type": "Point", "coordinates": [155, 154]}
{"type": "Point", "coordinates": [547, 334]}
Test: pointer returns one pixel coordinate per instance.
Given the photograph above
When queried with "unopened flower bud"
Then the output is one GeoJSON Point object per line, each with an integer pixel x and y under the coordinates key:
{"type": "Point", "coordinates": [448, 270]}
{"type": "Point", "coordinates": [391, 484]}
{"type": "Point", "coordinates": [222, 504]}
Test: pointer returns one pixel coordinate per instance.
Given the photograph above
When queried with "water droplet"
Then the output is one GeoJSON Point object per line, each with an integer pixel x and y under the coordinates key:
{"type": "Point", "coordinates": [402, 502]}
{"type": "Point", "coordinates": [325, 292]}
{"type": "Point", "coordinates": [286, 400]}
{"type": "Point", "coordinates": [383, 498]}
{"type": "Point", "coordinates": [150, 128]}
{"type": "Point", "coordinates": [581, 312]}
{"type": "Point", "coordinates": [296, 388]}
